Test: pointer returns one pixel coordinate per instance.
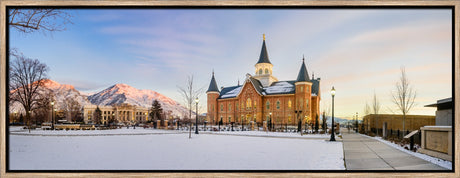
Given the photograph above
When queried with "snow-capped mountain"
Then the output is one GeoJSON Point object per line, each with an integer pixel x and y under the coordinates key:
{"type": "Point", "coordinates": [60, 91]}
{"type": "Point", "coordinates": [122, 93]}
{"type": "Point", "coordinates": [116, 94]}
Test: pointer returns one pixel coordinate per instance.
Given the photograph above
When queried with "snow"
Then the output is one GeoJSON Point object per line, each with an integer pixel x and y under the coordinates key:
{"type": "Point", "coordinates": [128, 149]}
{"type": "Point", "coordinates": [280, 87]}
{"type": "Point", "coordinates": [437, 126]}
{"type": "Point", "coordinates": [437, 161]}
{"type": "Point", "coordinates": [232, 93]}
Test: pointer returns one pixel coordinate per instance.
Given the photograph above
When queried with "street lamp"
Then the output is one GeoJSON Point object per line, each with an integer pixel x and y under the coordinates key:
{"type": "Point", "coordinates": [270, 125]}
{"type": "Point", "coordinates": [52, 115]}
{"type": "Point", "coordinates": [356, 122]}
{"type": "Point", "coordinates": [196, 121]}
{"type": "Point", "coordinates": [333, 134]}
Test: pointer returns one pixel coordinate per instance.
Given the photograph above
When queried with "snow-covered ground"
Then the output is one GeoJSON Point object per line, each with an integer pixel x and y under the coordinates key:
{"type": "Point", "coordinates": [437, 161]}
{"type": "Point", "coordinates": [148, 149]}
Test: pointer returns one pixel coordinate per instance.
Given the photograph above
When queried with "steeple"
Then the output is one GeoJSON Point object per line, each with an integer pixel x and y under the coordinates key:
{"type": "Point", "coordinates": [213, 84]}
{"type": "Point", "coordinates": [303, 73]}
{"type": "Point", "coordinates": [263, 58]}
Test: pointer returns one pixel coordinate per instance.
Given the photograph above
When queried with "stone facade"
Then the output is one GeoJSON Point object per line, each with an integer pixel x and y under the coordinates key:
{"type": "Point", "coordinates": [123, 113]}
{"type": "Point", "coordinates": [437, 141]}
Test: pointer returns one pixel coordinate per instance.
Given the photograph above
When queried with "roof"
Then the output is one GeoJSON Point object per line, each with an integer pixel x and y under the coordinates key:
{"type": "Point", "coordinates": [281, 87]}
{"type": "Point", "coordinates": [303, 73]}
{"type": "Point", "coordinates": [263, 58]}
{"type": "Point", "coordinates": [276, 88]}
{"type": "Point", "coordinates": [213, 84]}
{"type": "Point", "coordinates": [442, 104]}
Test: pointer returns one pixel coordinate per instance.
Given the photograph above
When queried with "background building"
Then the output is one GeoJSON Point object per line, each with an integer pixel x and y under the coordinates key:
{"type": "Point", "coordinates": [263, 98]}
{"type": "Point", "coordinates": [122, 113]}
{"type": "Point", "coordinates": [443, 112]}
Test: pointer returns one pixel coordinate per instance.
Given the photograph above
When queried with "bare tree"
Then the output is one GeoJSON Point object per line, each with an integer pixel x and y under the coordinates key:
{"type": "Point", "coordinates": [72, 108]}
{"type": "Point", "coordinates": [189, 93]}
{"type": "Point", "coordinates": [375, 109]}
{"type": "Point", "coordinates": [26, 77]}
{"type": "Point", "coordinates": [404, 96]}
{"type": "Point", "coordinates": [45, 20]}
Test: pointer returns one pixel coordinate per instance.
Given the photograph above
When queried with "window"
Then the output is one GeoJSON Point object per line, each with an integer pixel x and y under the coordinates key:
{"type": "Point", "coordinates": [229, 107]}
{"type": "Point", "coordinates": [236, 108]}
{"type": "Point", "coordinates": [260, 71]}
{"type": "Point", "coordinates": [248, 103]}
{"type": "Point", "coordinates": [306, 103]}
{"type": "Point", "coordinates": [242, 105]}
{"type": "Point", "coordinates": [301, 88]}
{"type": "Point", "coordinates": [221, 107]}
{"type": "Point", "coordinates": [255, 104]}
{"type": "Point", "coordinates": [289, 119]}
{"type": "Point", "coordinates": [289, 104]}
{"type": "Point", "coordinates": [266, 71]}
{"type": "Point", "coordinates": [268, 104]}
{"type": "Point", "coordinates": [307, 88]}
{"type": "Point", "coordinates": [229, 119]}
{"type": "Point", "coordinates": [278, 104]}
{"type": "Point", "coordinates": [301, 103]}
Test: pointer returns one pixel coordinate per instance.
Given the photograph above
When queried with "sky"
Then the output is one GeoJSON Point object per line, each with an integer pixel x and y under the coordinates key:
{"type": "Point", "coordinates": [358, 51]}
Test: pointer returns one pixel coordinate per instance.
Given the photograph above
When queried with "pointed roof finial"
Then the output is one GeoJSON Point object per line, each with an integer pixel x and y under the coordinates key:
{"type": "Point", "coordinates": [212, 72]}
{"type": "Point", "coordinates": [264, 36]}
{"type": "Point", "coordinates": [303, 73]}
{"type": "Point", "coordinates": [303, 57]}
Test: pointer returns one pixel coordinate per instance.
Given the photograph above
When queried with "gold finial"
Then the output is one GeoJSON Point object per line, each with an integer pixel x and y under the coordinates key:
{"type": "Point", "coordinates": [264, 36]}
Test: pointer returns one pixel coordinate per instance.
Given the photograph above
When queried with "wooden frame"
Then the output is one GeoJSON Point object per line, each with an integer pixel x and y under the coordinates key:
{"type": "Point", "coordinates": [160, 3]}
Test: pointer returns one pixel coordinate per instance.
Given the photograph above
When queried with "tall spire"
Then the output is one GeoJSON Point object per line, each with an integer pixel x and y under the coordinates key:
{"type": "Point", "coordinates": [213, 84]}
{"type": "Point", "coordinates": [263, 53]}
{"type": "Point", "coordinates": [303, 73]}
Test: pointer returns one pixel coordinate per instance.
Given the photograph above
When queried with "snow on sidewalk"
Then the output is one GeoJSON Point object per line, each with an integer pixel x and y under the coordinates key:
{"type": "Point", "coordinates": [437, 161]}
{"type": "Point", "coordinates": [172, 152]}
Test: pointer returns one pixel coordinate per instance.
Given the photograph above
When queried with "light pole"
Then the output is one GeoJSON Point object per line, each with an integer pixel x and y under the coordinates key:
{"type": "Point", "coordinates": [333, 134]}
{"type": "Point", "coordinates": [196, 119]}
{"type": "Point", "coordinates": [356, 122]}
{"type": "Point", "coordinates": [52, 115]}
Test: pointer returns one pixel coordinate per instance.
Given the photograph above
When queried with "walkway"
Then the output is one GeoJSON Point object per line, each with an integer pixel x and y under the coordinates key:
{"type": "Point", "coordinates": [363, 153]}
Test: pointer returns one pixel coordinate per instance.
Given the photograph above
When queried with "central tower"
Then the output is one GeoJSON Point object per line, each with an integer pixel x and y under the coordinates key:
{"type": "Point", "coordinates": [264, 67]}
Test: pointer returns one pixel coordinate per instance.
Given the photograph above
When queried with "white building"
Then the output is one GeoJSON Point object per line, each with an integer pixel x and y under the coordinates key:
{"type": "Point", "coordinates": [123, 113]}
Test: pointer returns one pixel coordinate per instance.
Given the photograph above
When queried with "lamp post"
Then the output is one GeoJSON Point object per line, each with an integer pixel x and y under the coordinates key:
{"type": "Point", "coordinates": [333, 131]}
{"type": "Point", "coordinates": [196, 119]}
{"type": "Point", "coordinates": [52, 115]}
{"type": "Point", "coordinates": [270, 124]}
{"type": "Point", "coordinates": [299, 123]}
{"type": "Point", "coordinates": [356, 122]}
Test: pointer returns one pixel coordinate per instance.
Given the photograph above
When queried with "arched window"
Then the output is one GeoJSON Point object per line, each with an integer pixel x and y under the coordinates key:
{"type": "Point", "coordinates": [260, 71]}
{"type": "Point", "coordinates": [268, 104]}
{"type": "Point", "coordinates": [229, 107]}
{"type": "Point", "coordinates": [301, 88]}
{"type": "Point", "coordinates": [278, 104]}
{"type": "Point", "coordinates": [306, 103]}
{"type": "Point", "coordinates": [289, 119]}
{"type": "Point", "coordinates": [289, 104]}
{"type": "Point", "coordinates": [242, 105]}
{"type": "Point", "coordinates": [266, 71]}
{"type": "Point", "coordinates": [221, 107]}
{"type": "Point", "coordinates": [255, 104]}
{"type": "Point", "coordinates": [248, 103]}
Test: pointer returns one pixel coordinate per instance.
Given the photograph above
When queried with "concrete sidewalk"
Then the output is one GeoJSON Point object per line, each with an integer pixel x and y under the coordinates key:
{"type": "Point", "coordinates": [363, 153]}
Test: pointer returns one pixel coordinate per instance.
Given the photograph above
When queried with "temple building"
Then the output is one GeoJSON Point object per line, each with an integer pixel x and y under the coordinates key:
{"type": "Point", "coordinates": [262, 98]}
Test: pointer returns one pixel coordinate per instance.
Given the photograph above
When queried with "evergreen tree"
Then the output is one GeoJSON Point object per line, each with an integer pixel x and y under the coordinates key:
{"type": "Point", "coordinates": [155, 111]}
{"type": "Point", "coordinates": [97, 116]}
{"type": "Point", "coordinates": [324, 121]}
